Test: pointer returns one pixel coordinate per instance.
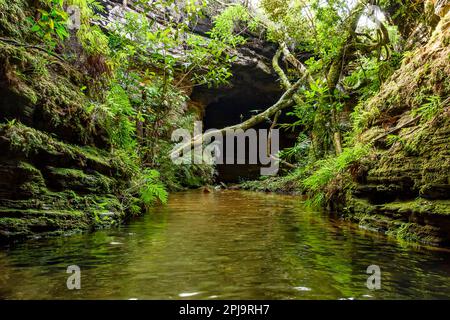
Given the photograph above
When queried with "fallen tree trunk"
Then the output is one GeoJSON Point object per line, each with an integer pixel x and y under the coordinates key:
{"type": "Point", "coordinates": [284, 102]}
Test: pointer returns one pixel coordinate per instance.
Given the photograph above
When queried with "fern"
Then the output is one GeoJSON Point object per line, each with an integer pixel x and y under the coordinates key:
{"type": "Point", "coordinates": [330, 168]}
{"type": "Point", "coordinates": [151, 189]}
{"type": "Point", "coordinates": [93, 40]}
{"type": "Point", "coordinates": [429, 109]}
{"type": "Point", "coordinates": [116, 116]}
{"type": "Point", "coordinates": [299, 151]}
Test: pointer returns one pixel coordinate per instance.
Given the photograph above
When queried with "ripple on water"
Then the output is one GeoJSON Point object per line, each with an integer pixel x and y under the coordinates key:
{"type": "Point", "coordinates": [227, 245]}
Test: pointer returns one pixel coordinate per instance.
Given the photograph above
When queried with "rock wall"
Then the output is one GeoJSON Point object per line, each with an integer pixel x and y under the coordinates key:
{"type": "Point", "coordinates": [404, 188]}
{"type": "Point", "coordinates": [57, 173]}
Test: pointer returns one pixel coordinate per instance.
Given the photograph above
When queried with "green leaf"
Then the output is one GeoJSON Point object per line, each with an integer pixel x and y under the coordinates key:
{"type": "Point", "coordinates": [35, 28]}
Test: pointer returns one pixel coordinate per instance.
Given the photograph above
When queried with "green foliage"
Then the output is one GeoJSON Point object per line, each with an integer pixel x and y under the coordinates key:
{"type": "Point", "coordinates": [203, 62]}
{"type": "Point", "coordinates": [316, 25]}
{"type": "Point", "coordinates": [13, 15]}
{"type": "Point", "coordinates": [316, 100]}
{"type": "Point", "coordinates": [313, 114]}
{"type": "Point", "coordinates": [93, 40]}
{"type": "Point", "coordinates": [135, 106]}
{"type": "Point", "coordinates": [391, 139]}
{"type": "Point", "coordinates": [51, 25]}
{"type": "Point", "coordinates": [362, 117]}
{"type": "Point", "coordinates": [289, 183]}
{"type": "Point", "coordinates": [319, 183]}
{"type": "Point", "coordinates": [90, 36]}
{"type": "Point", "coordinates": [87, 9]}
{"type": "Point", "coordinates": [153, 79]}
{"type": "Point", "coordinates": [116, 116]}
{"type": "Point", "coordinates": [299, 152]}
{"type": "Point", "coordinates": [368, 75]}
{"type": "Point", "coordinates": [121, 125]}
{"type": "Point", "coordinates": [151, 189]}
{"type": "Point", "coordinates": [428, 110]}
{"type": "Point", "coordinates": [276, 9]}
{"type": "Point", "coordinates": [213, 58]}
{"type": "Point", "coordinates": [226, 22]}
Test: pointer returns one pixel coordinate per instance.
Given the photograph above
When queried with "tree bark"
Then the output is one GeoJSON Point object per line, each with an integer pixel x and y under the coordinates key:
{"type": "Point", "coordinates": [284, 102]}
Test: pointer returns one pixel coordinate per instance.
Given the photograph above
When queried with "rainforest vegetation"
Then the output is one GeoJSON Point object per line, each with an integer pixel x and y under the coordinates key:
{"type": "Point", "coordinates": [90, 97]}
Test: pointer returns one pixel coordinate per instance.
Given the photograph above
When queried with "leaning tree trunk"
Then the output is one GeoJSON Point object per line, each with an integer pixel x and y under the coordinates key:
{"type": "Point", "coordinates": [284, 102]}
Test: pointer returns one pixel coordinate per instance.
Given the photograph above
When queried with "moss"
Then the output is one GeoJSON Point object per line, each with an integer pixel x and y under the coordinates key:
{"type": "Point", "coordinates": [412, 232]}
{"type": "Point", "coordinates": [32, 182]}
{"type": "Point", "coordinates": [420, 206]}
{"type": "Point", "coordinates": [29, 168]}
{"type": "Point", "coordinates": [76, 179]}
{"type": "Point", "coordinates": [51, 89]}
{"type": "Point", "coordinates": [417, 221]}
{"type": "Point", "coordinates": [13, 17]}
{"type": "Point", "coordinates": [29, 141]}
{"type": "Point", "coordinates": [52, 214]}
{"type": "Point", "coordinates": [418, 161]}
{"type": "Point", "coordinates": [25, 223]}
{"type": "Point", "coordinates": [290, 183]}
{"type": "Point", "coordinates": [69, 173]}
{"type": "Point", "coordinates": [421, 75]}
{"type": "Point", "coordinates": [96, 212]}
{"type": "Point", "coordinates": [84, 179]}
{"type": "Point", "coordinates": [59, 174]}
{"type": "Point", "coordinates": [364, 117]}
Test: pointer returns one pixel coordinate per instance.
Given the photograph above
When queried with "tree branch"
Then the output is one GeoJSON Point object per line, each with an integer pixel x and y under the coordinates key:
{"type": "Point", "coordinates": [296, 63]}
{"type": "Point", "coordinates": [284, 79]}
{"type": "Point", "coordinates": [284, 102]}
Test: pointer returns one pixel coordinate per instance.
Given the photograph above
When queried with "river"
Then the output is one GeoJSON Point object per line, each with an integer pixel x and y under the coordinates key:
{"type": "Point", "coordinates": [225, 245]}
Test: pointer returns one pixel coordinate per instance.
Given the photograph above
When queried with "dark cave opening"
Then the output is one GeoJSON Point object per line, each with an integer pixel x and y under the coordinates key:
{"type": "Point", "coordinates": [234, 108]}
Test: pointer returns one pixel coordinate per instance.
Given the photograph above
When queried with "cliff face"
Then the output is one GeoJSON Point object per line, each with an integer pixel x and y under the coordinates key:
{"type": "Point", "coordinates": [405, 188]}
{"type": "Point", "coordinates": [57, 172]}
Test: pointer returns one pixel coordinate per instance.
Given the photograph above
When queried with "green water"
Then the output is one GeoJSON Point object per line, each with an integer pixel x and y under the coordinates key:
{"type": "Point", "coordinates": [224, 245]}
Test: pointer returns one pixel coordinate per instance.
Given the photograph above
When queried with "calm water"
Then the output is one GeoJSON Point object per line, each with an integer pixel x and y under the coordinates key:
{"type": "Point", "coordinates": [224, 245]}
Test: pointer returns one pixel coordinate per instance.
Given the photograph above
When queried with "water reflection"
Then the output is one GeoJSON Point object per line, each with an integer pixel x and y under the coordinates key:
{"type": "Point", "coordinates": [224, 245]}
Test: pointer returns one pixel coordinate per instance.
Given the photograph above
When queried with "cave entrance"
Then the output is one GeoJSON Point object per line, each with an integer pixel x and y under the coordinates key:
{"type": "Point", "coordinates": [252, 89]}
{"type": "Point", "coordinates": [234, 108]}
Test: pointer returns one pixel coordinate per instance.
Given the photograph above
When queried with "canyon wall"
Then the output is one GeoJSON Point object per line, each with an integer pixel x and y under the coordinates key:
{"type": "Point", "coordinates": [403, 187]}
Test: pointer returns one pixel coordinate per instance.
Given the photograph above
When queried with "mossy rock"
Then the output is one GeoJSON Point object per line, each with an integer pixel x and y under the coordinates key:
{"type": "Point", "coordinates": [420, 220]}
{"type": "Point", "coordinates": [78, 180]}
{"type": "Point", "coordinates": [21, 224]}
